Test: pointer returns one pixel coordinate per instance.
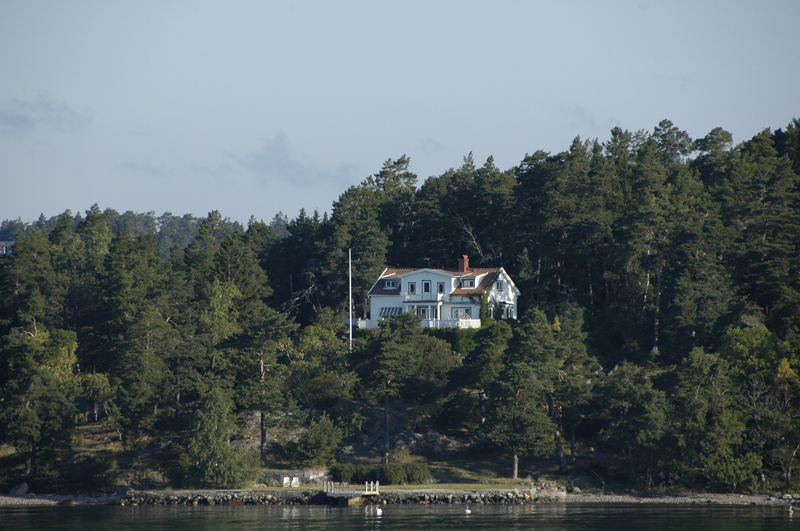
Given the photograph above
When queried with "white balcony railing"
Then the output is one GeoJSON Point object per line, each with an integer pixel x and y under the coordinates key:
{"type": "Point", "coordinates": [426, 323]}
{"type": "Point", "coordinates": [423, 297]}
{"type": "Point", "coordinates": [450, 323]}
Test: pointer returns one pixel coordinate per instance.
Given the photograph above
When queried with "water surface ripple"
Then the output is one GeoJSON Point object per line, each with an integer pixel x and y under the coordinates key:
{"type": "Point", "coordinates": [569, 516]}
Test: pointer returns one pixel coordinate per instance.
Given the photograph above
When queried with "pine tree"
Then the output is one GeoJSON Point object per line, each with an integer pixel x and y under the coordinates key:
{"type": "Point", "coordinates": [213, 461]}
{"type": "Point", "coordinates": [518, 420]}
{"type": "Point", "coordinates": [253, 363]}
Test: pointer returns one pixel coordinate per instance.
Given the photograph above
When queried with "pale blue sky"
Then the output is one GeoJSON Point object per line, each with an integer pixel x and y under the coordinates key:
{"type": "Point", "coordinates": [251, 108]}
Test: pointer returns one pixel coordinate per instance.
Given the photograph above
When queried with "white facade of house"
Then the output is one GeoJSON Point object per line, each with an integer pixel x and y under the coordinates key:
{"type": "Point", "coordinates": [444, 298]}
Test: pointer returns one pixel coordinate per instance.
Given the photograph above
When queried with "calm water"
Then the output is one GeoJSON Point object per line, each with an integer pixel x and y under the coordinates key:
{"type": "Point", "coordinates": [406, 517]}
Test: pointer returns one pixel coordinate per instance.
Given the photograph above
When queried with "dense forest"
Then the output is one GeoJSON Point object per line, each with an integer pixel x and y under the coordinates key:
{"type": "Point", "coordinates": [660, 322]}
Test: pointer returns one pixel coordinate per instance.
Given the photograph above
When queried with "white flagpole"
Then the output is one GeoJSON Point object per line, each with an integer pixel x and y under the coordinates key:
{"type": "Point", "coordinates": [350, 276]}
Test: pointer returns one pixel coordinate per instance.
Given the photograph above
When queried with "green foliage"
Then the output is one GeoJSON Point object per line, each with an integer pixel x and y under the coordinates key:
{"type": "Point", "coordinates": [725, 471]}
{"type": "Point", "coordinates": [461, 340]}
{"type": "Point", "coordinates": [11, 229]}
{"type": "Point", "coordinates": [753, 351]}
{"type": "Point", "coordinates": [219, 320]}
{"type": "Point", "coordinates": [483, 364]}
{"type": "Point", "coordinates": [352, 420]}
{"type": "Point", "coordinates": [404, 360]}
{"type": "Point", "coordinates": [39, 394]}
{"type": "Point", "coordinates": [345, 473]}
{"type": "Point", "coordinates": [517, 420]}
{"type": "Point", "coordinates": [321, 364]}
{"type": "Point", "coordinates": [8, 478]}
{"type": "Point", "coordinates": [213, 461]}
{"type": "Point", "coordinates": [105, 472]}
{"type": "Point", "coordinates": [414, 473]}
{"type": "Point", "coordinates": [320, 444]}
{"type": "Point", "coordinates": [178, 467]}
{"type": "Point", "coordinates": [393, 474]}
{"type": "Point", "coordinates": [175, 232]}
{"type": "Point", "coordinates": [635, 416]}
{"type": "Point", "coordinates": [253, 360]}
{"type": "Point", "coordinates": [681, 272]}
{"type": "Point", "coordinates": [47, 476]}
{"type": "Point", "coordinates": [417, 473]}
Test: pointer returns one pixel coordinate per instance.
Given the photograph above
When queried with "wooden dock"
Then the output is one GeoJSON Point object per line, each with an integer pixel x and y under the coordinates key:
{"type": "Point", "coordinates": [343, 495]}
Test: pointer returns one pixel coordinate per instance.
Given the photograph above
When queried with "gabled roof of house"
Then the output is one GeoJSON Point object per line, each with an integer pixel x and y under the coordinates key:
{"type": "Point", "coordinates": [388, 273]}
{"type": "Point", "coordinates": [485, 284]}
{"type": "Point", "coordinates": [394, 273]}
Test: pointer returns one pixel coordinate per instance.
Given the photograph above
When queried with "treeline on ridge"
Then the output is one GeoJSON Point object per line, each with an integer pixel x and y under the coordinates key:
{"type": "Point", "coordinates": [660, 322]}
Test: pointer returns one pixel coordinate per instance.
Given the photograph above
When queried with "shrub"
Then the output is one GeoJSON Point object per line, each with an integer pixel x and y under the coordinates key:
{"type": "Point", "coordinates": [7, 480]}
{"type": "Point", "coordinates": [350, 473]}
{"type": "Point", "coordinates": [46, 477]}
{"type": "Point", "coordinates": [352, 421]}
{"type": "Point", "coordinates": [394, 474]}
{"type": "Point", "coordinates": [176, 464]}
{"type": "Point", "coordinates": [105, 472]}
{"type": "Point", "coordinates": [344, 473]}
{"type": "Point", "coordinates": [319, 445]}
{"type": "Point", "coordinates": [417, 472]}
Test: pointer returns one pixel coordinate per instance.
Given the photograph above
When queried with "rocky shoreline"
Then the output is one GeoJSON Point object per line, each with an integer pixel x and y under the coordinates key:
{"type": "Point", "coordinates": [424, 496]}
{"type": "Point", "coordinates": [707, 499]}
{"type": "Point", "coordinates": [549, 494]}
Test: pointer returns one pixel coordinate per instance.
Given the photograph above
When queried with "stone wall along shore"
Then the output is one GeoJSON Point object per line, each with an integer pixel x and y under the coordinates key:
{"type": "Point", "coordinates": [222, 497]}
{"type": "Point", "coordinates": [502, 497]}
{"type": "Point", "coordinates": [306, 497]}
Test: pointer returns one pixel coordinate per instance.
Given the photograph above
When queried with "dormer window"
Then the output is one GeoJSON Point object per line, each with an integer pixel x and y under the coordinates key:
{"type": "Point", "coordinates": [390, 284]}
{"type": "Point", "coordinates": [468, 283]}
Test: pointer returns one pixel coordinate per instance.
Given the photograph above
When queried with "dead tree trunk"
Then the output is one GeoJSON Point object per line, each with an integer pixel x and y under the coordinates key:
{"type": "Point", "coordinates": [263, 438]}
{"type": "Point", "coordinates": [658, 299]}
{"type": "Point", "coordinates": [386, 429]}
{"type": "Point", "coordinates": [515, 467]}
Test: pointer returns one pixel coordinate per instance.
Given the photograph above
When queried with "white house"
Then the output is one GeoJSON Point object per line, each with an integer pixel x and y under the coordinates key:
{"type": "Point", "coordinates": [444, 298]}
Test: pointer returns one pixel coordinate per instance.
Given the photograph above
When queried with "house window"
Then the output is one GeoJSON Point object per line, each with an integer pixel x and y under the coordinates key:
{"type": "Point", "coordinates": [390, 284]}
{"type": "Point", "coordinates": [440, 287]}
{"type": "Point", "coordinates": [461, 313]}
{"type": "Point", "coordinates": [426, 286]}
{"type": "Point", "coordinates": [468, 283]}
{"type": "Point", "coordinates": [422, 312]}
{"type": "Point", "coordinates": [412, 287]}
{"type": "Point", "coordinates": [500, 285]}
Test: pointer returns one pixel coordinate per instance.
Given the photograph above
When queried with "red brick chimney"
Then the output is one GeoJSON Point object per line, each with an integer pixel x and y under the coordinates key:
{"type": "Point", "coordinates": [463, 264]}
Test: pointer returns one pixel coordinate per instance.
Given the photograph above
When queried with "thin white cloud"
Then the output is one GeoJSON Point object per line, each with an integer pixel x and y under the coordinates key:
{"type": "Point", "coordinates": [579, 116]}
{"type": "Point", "coordinates": [42, 113]}
{"type": "Point", "coordinates": [275, 166]}
{"type": "Point", "coordinates": [431, 146]}
{"type": "Point", "coordinates": [276, 159]}
{"type": "Point", "coordinates": [142, 168]}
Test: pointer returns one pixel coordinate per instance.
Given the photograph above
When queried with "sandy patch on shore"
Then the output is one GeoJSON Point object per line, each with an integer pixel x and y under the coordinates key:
{"type": "Point", "coordinates": [29, 500]}
{"type": "Point", "coordinates": [54, 499]}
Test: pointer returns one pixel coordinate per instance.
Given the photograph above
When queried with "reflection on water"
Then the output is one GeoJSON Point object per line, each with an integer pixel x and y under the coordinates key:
{"type": "Point", "coordinates": [406, 517]}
